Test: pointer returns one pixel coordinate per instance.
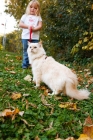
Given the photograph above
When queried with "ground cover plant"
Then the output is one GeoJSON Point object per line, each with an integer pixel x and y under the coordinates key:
{"type": "Point", "coordinates": [27, 113]}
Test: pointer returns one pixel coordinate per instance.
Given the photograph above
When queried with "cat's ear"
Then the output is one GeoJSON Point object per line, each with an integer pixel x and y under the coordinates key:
{"type": "Point", "coordinates": [40, 43]}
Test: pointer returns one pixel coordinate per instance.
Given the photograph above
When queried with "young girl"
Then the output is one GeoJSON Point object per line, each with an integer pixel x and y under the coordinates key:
{"type": "Point", "coordinates": [31, 22]}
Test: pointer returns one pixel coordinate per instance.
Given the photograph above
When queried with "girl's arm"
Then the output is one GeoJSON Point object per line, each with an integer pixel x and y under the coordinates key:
{"type": "Point", "coordinates": [22, 25]}
{"type": "Point", "coordinates": [37, 28]}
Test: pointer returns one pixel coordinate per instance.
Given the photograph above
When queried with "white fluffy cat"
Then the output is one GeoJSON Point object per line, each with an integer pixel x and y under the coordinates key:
{"type": "Point", "coordinates": [56, 76]}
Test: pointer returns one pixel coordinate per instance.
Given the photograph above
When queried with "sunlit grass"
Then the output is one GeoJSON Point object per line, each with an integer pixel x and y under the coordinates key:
{"type": "Point", "coordinates": [45, 121]}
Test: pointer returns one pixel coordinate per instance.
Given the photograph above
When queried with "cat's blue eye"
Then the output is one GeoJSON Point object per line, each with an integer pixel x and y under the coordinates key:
{"type": "Point", "coordinates": [35, 47]}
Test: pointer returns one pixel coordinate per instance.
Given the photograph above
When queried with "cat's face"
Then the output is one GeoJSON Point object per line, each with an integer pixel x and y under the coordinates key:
{"type": "Point", "coordinates": [33, 47]}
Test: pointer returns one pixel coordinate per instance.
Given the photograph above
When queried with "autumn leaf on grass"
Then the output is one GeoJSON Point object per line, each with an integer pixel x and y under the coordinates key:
{"type": "Point", "coordinates": [83, 137]}
{"type": "Point", "coordinates": [28, 78]}
{"type": "Point", "coordinates": [9, 68]}
{"type": "Point", "coordinates": [88, 127]}
{"type": "Point", "coordinates": [26, 122]}
{"type": "Point", "coordinates": [69, 105]}
{"type": "Point", "coordinates": [90, 81]}
{"type": "Point", "coordinates": [7, 55]}
{"type": "Point", "coordinates": [12, 72]}
{"type": "Point", "coordinates": [9, 112]}
{"type": "Point", "coordinates": [6, 112]}
{"type": "Point", "coordinates": [19, 57]}
{"type": "Point", "coordinates": [43, 87]}
{"type": "Point", "coordinates": [70, 138]}
{"type": "Point", "coordinates": [37, 138]}
{"type": "Point", "coordinates": [15, 96]}
{"type": "Point", "coordinates": [46, 90]}
{"type": "Point", "coordinates": [58, 98]}
{"type": "Point", "coordinates": [44, 101]}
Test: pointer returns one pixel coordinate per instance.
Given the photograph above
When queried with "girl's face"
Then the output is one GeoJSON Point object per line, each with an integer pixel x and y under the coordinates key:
{"type": "Point", "coordinates": [33, 9]}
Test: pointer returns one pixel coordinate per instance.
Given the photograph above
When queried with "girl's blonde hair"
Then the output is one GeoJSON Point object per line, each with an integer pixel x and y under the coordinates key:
{"type": "Point", "coordinates": [28, 7]}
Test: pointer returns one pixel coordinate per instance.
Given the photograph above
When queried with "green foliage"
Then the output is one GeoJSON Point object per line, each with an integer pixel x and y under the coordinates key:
{"type": "Point", "coordinates": [13, 41]}
{"type": "Point", "coordinates": [16, 8]}
{"type": "Point", "coordinates": [46, 122]}
{"type": "Point", "coordinates": [1, 47]}
{"type": "Point", "coordinates": [63, 22]}
{"type": "Point", "coordinates": [84, 43]}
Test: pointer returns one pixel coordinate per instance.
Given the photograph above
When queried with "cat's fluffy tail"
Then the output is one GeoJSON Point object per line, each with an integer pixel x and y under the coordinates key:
{"type": "Point", "coordinates": [72, 91]}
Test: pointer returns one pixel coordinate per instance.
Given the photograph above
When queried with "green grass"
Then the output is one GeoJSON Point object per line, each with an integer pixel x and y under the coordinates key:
{"type": "Point", "coordinates": [45, 121]}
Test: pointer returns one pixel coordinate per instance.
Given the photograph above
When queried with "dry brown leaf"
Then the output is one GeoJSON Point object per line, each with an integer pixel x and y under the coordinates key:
{"type": "Point", "coordinates": [37, 138]}
{"type": "Point", "coordinates": [9, 112]}
{"type": "Point", "coordinates": [88, 121]}
{"type": "Point", "coordinates": [27, 104]}
{"type": "Point", "coordinates": [69, 105]}
{"type": "Point", "coordinates": [26, 95]}
{"type": "Point", "coordinates": [16, 111]}
{"type": "Point", "coordinates": [7, 69]}
{"type": "Point", "coordinates": [12, 72]}
{"type": "Point", "coordinates": [21, 113]}
{"type": "Point", "coordinates": [7, 55]}
{"type": "Point", "coordinates": [46, 92]}
{"type": "Point", "coordinates": [33, 105]}
{"type": "Point", "coordinates": [43, 87]}
{"type": "Point", "coordinates": [88, 130]}
{"type": "Point", "coordinates": [88, 127]}
{"type": "Point", "coordinates": [28, 78]}
{"type": "Point", "coordinates": [44, 101]}
{"type": "Point", "coordinates": [58, 98]}
{"type": "Point", "coordinates": [86, 70]}
{"type": "Point", "coordinates": [26, 122]}
{"type": "Point", "coordinates": [70, 138]}
{"type": "Point", "coordinates": [83, 137]}
{"type": "Point", "coordinates": [19, 57]}
{"type": "Point", "coordinates": [11, 60]}
{"type": "Point", "coordinates": [15, 96]}
{"type": "Point", "coordinates": [50, 126]}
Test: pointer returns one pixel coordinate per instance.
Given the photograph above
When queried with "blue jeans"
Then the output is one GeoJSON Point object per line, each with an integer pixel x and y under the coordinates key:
{"type": "Point", "coordinates": [25, 62]}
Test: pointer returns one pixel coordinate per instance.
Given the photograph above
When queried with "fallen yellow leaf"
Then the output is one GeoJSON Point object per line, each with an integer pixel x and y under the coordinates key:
{"type": "Point", "coordinates": [15, 96]}
{"type": "Point", "coordinates": [83, 137]}
{"type": "Point", "coordinates": [11, 113]}
{"type": "Point", "coordinates": [16, 111]}
{"type": "Point", "coordinates": [88, 127]}
{"type": "Point", "coordinates": [68, 105]}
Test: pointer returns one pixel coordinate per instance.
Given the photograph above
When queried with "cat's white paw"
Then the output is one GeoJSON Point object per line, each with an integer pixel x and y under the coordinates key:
{"type": "Point", "coordinates": [37, 86]}
{"type": "Point", "coordinates": [34, 81]}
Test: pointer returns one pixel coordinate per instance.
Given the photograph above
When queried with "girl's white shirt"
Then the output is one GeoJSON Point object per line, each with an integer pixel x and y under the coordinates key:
{"type": "Point", "coordinates": [30, 20]}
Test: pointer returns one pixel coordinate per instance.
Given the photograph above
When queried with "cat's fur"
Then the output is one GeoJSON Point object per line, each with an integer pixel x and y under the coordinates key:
{"type": "Point", "coordinates": [56, 76]}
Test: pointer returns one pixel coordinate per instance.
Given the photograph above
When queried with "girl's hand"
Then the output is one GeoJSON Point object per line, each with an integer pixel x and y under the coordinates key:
{"type": "Point", "coordinates": [29, 27]}
{"type": "Point", "coordinates": [33, 28]}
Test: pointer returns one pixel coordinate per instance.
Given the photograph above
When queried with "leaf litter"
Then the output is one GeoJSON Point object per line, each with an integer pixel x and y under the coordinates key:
{"type": "Point", "coordinates": [87, 133]}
